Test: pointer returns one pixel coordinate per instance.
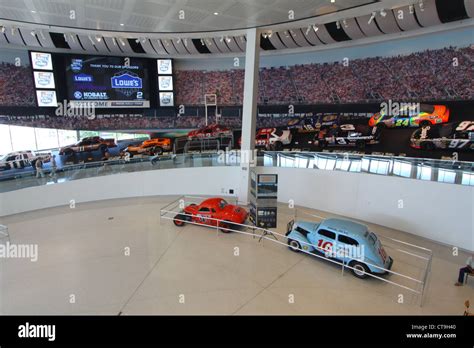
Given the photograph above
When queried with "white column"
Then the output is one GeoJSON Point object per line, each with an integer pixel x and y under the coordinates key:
{"type": "Point", "coordinates": [249, 114]}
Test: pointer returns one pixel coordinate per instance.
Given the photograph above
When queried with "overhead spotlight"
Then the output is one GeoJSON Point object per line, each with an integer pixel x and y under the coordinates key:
{"type": "Point", "coordinates": [338, 25]}
{"type": "Point", "coordinates": [422, 5]}
{"type": "Point", "coordinates": [216, 13]}
{"type": "Point", "coordinates": [137, 40]}
{"type": "Point", "coordinates": [228, 39]}
{"type": "Point", "coordinates": [202, 42]}
{"type": "Point", "coordinates": [2, 29]}
{"type": "Point", "coordinates": [33, 33]}
{"type": "Point", "coordinates": [315, 28]}
{"type": "Point", "coordinates": [333, 1]}
{"type": "Point", "coordinates": [270, 33]}
{"type": "Point", "coordinates": [179, 40]}
{"type": "Point", "coordinates": [372, 17]}
{"type": "Point", "coordinates": [121, 41]}
{"type": "Point", "coordinates": [265, 35]}
{"type": "Point", "coordinates": [221, 39]}
{"type": "Point", "coordinates": [345, 23]}
{"type": "Point", "coordinates": [383, 13]}
{"type": "Point", "coordinates": [121, 24]}
{"type": "Point", "coordinates": [98, 38]}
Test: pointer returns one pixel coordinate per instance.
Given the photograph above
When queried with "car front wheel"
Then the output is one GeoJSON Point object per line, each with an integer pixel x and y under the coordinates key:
{"type": "Point", "coordinates": [179, 220]}
{"type": "Point", "coordinates": [294, 245]}
{"type": "Point", "coordinates": [359, 269]}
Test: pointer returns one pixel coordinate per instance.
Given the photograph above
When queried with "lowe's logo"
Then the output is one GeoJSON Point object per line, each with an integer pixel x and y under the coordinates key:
{"type": "Point", "coordinates": [126, 80]}
{"type": "Point", "coordinates": [83, 78]}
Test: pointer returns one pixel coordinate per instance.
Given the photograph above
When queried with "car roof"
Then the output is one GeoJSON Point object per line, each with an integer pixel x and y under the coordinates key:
{"type": "Point", "coordinates": [212, 201]}
{"type": "Point", "coordinates": [344, 226]}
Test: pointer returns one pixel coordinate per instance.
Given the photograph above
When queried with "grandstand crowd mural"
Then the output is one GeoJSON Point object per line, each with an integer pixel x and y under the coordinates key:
{"type": "Point", "coordinates": [442, 74]}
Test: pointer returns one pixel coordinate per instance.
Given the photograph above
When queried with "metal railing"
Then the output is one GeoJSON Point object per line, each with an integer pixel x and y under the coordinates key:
{"type": "Point", "coordinates": [174, 211]}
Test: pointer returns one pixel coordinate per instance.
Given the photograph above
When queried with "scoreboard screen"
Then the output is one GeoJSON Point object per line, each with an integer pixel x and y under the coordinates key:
{"type": "Point", "coordinates": [107, 82]}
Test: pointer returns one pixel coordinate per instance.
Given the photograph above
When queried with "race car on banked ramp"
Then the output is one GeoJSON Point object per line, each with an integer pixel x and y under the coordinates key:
{"type": "Point", "coordinates": [418, 115]}
{"type": "Point", "coordinates": [347, 135]}
{"type": "Point", "coordinates": [448, 136]}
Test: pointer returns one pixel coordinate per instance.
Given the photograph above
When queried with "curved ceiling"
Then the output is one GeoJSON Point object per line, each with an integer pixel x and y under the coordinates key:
{"type": "Point", "coordinates": [377, 20]}
{"type": "Point", "coordinates": [168, 16]}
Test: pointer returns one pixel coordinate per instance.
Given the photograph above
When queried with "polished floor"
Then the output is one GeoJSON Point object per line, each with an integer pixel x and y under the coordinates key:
{"type": "Point", "coordinates": [118, 257]}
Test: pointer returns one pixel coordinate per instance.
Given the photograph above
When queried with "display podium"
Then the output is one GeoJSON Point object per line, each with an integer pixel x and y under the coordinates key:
{"type": "Point", "coordinates": [263, 199]}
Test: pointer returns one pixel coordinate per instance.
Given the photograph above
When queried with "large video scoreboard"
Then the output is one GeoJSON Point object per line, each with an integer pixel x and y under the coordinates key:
{"type": "Point", "coordinates": [103, 81]}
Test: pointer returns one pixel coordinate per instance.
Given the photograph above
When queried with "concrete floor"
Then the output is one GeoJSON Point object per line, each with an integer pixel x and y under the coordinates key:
{"type": "Point", "coordinates": [194, 269]}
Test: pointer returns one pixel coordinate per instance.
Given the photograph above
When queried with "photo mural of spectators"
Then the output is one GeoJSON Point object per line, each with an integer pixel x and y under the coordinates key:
{"type": "Point", "coordinates": [433, 74]}
{"type": "Point", "coordinates": [16, 85]}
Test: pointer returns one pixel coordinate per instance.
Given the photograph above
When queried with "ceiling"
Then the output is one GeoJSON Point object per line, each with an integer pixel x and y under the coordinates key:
{"type": "Point", "coordinates": [317, 24]}
{"type": "Point", "coordinates": [165, 16]}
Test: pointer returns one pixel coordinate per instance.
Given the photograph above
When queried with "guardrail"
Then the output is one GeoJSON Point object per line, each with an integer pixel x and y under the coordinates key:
{"type": "Point", "coordinates": [174, 211]}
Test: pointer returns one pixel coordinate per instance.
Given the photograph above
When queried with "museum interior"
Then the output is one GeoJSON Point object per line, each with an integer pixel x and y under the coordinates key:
{"type": "Point", "coordinates": [236, 157]}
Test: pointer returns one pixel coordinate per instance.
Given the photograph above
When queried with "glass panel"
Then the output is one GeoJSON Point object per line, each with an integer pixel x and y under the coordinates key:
{"type": "Point", "coordinates": [467, 179]}
{"type": "Point", "coordinates": [5, 141]}
{"type": "Point", "coordinates": [46, 138]}
{"type": "Point", "coordinates": [23, 138]}
{"type": "Point", "coordinates": [67, 137]}
{"type": "Point", "coordinates": [424, 173]}
{"type": "Point", "coordinates": [448, 176]}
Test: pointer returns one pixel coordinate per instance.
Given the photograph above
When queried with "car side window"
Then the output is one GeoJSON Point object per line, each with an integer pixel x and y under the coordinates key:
{"type": "Point", "coordinates": [327, 234]}
{"type": "Point", "coordinates": [204, 210]}
{"type": "Point", "coordinates": [302, 231]}
{"type": "Point", "coordinates": [347, 240]}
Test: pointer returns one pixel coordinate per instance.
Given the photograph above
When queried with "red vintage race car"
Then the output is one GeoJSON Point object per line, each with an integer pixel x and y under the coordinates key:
{"type": "Point", "coordinates": [210, 131]}
{"type": "Point", "coordinates": [213, 212]}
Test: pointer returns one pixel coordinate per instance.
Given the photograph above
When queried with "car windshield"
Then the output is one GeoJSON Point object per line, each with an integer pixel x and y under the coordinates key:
{"type": "Point", "coordinates": [222, 204]}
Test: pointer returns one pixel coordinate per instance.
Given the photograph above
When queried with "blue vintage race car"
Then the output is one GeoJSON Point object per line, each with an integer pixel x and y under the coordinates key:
{"type": "Point", "coordinates": [343, 240]}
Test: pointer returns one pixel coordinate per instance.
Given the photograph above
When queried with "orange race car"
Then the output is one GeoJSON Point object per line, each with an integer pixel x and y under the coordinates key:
{"type": "Point", "coordinates": [149, 147]}
{"type": "Point", "coordinates": [417, 115]}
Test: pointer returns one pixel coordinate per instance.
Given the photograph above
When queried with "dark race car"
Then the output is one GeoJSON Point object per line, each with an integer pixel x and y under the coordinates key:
{"type": "Point", "coordinates": [88, 145]}
{"type": "Point", "coordinates": [347, 135]}
{"type": "Point", "coordinates": [448, 136]}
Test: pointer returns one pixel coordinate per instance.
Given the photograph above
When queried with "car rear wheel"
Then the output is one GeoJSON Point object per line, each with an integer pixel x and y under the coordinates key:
{"type": "Point", "coordinates": [360, 144]}
{"type": "Point", "coordinates": [278, 146]}
{"type": "Point", "coordinates": [157, 150]}
{"type": "Point", "coordinates": [427, 145]}
{"type": "Point", "coordinates": [294, 245]}
{"type": "Point", "coordinates": [226, 227]}
{"type": "Point", "coordinates": [359, 269]}
{"type": "Point", "coordinates": [179, 220]}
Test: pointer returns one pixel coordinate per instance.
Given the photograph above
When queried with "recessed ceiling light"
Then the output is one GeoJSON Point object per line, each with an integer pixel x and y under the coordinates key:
{"type": "Point", "coordinates": [121, 24]}
{"type": "Point", "coordinates": [216, 13]}
{"type": "Point", "coordinates": [33, 11]}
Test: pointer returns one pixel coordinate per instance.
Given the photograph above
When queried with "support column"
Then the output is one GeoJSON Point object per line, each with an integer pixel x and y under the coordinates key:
{"type": "Point", "coordinates": [249, 113]}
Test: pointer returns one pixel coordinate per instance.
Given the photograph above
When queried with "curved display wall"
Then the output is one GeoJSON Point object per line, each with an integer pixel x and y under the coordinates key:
{"type": "Point", "coordinates": [440, 212]}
